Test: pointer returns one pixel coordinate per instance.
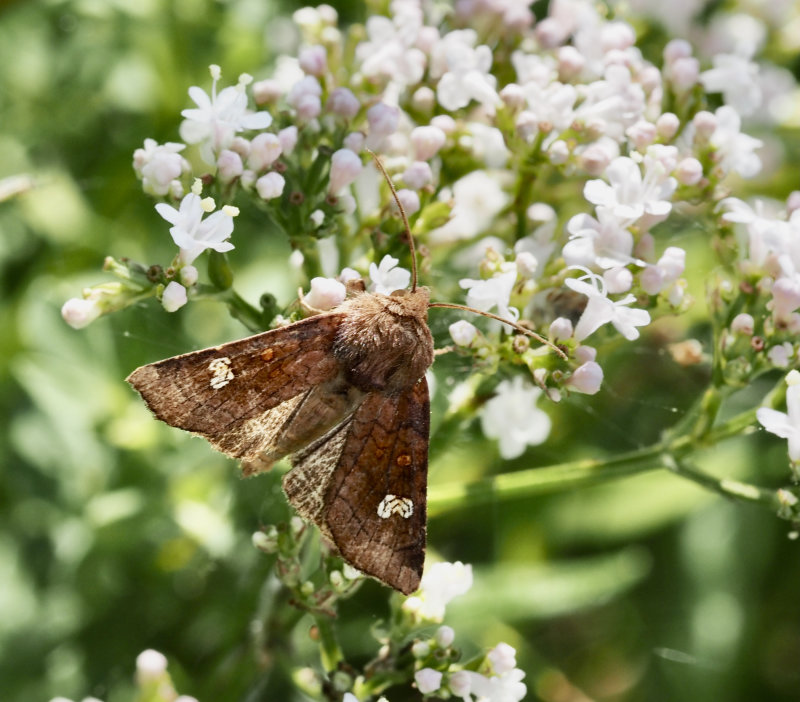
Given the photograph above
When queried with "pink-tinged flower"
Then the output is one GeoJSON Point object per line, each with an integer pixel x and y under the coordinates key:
{"type": "Point", "coordinates": [600, 310]}
{"type": "Point", "coordinates": [586, 378]}
{"type": "Point", "coordinates": [229, 166]}
{"type": "Point", "coordinates": [264, 151]}
{"type": "Point", "coordinates": [386, 277]}
{"type": "Point", "coordinates": [560, 328]}
{"type": "Point", "coordinates": [494, 292]}
{"type": "Point", "coordinates": [325, 293]}
{"type": "Point", "coordinates": [270, 185]}
{"type": "Point", "coordinates": [218, 117]}
{"type": "Point", "coordinates": [427, 141]}
{"type": "Point", "coordinates": [345, 168]}
{"type": "Point", "coordinates": [174, 296]}
{"type": "Point", "coordinates": [781, 355]}
{"type": "Point", "coordinates": [80, 313]}
{"type": "Point", "coordinates": [193, 234]}
{"type": "Point", "coordinates": [736, 77]}
{"type": "Point", "coordinates": [507, 687]}
{"type": "Point", "coordinates": [612, 104]}
{"type": "Point", "coordinates": [383, 120]}
{"type": "Point", "coordinates": [628, 195]}
{"type": "Point", "coordinates": [428, 680]}
{"type": "Point", "coordinates": [288, 138]}
{"type": "Point", "coordinates": [305, 98]}
{"type": "Point", "coordinates": [734, 150]}
{"type": "Point", "coordinates": [418, 175]}
{"type": "Point", "coordinates": [390, 51]}
{"type": "Point", "coordinates": [343, 103]}
{"type": "Point", "coordinates": [314, 60]}
{"type": "Point", "coordinates": [503, 658]}
{"type": "Point", "coordinates": [513, 419]}
{"type": "Point", "coordinates": [743, 323]}
{"type": "Point", "coordinates": [786, 424]}
{"type": "Point", "coordinates": [409, 200]}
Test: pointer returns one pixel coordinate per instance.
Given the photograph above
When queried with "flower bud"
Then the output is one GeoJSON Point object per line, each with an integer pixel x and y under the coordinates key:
{"type": "Point", "coordinates": [667, 125]}
{"type": "Point", "coordinates": [409, 200]}
{"type": "Point", "coordinates": [174, 296]}
{"type": "Point", "coordinates": [503, 658]}
{"type": "Point", "coordinates": [313, 60]}
{"type": "Point", "coordinates": [642, 134]}
{"type": "Point", "coordinates": [462, 332]}
{"type": "Point", "coordinates": [428, 680]}
{"type": "Point", "coordinates": [345, 168]}
{"type": "Point", "coordinates": [150, 666]}
{"type": "Point", "coordinates": [780, 356]}
{"type": "Point", "coordinates": [343, 103]}
{"type": "Point", "coordinates": [270, 185]}
{"type": "Point", "coordinates": [426, 142]}
{"type": "Point", "coordinates": [420, 649]}
{"type": "Point", "coordinates": [785, 297]}
{"type": "Point", "coordinates": [423, 99]}
{"type": "Point", "coordinates": [288, 138]}
{"type": "Point", "coordinates": [570, 62]}
{"type": "Point", "coordinates": [460, 684]}
{"type": "Point", "coordinates": [558, 152]}
{"type": "Point", "coordinates": [743, 323]}
{"type": "Point", "coordinates": [587, 378]}
{"type": "Point", "coordinates": [417, 175]}
{"type": "Point", "coordinates": [445, 122]}
{"type": "Point", "coordinates": [264, 150]}
{"type": "Point", "coordinates": [672, 263]}
{"type": "Point", "coordinates": [584, 354]}
{"type": "Point", "coordinates": [445, 636]}
{"type": "Point", "coordinates": [560, 328]}
{"type": "Point", "coordinates": [527, 264]}
{"type": "Point", "coordinates": [354, 141]}
{"type": "Point", "coordinates": [266, 91]}
{"type": "Point", "coordinates": [689, 171]}
{"type": "Point", "coordinates": [189, 275]}
{"type": "Point", "coordinates": [618, 280]}
{"type": "Point", "coordinates": [326, 293]}
{"type": "Point", "coordinates": [513, 96]}
{"type": "Point", "coordinates": [80, 313]}
{"type": "Point", "coordinates": [676, 49]}
{"type": "Point", "coordinates": [705, 124]}
{"type": "Point", "coordinates": [651, 279]}
{"type": "Point", "coordinates": [684, 73]}
{"type": "Point", "coordinates": [383, 120]}
{"type": "Point", "coordinates": [229, 166]}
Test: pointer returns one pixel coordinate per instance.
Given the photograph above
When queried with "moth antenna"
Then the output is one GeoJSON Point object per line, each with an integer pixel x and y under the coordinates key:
{"type": "Point", "coordinates": [411, 245]}
{"type": "Point", "coordinates": [519, 328]}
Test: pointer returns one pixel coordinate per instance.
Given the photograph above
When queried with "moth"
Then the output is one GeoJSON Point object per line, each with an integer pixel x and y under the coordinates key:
{"type": "Point", "coordinates": [343, 394]}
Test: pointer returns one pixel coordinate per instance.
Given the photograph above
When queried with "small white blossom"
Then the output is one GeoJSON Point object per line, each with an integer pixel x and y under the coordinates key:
{"type": "Point", "coordinates": [463, 71]}
{"type": "Point", "coordinates": [560, 328]}
{"type": "Point", "coordinates": [494, 292]}
{"type": "Point", "coordinates": [390, 51]}
{"type": "Point", "coordinates": [79, 313]}
{"type": "Point", "coordinates": [600, 310]}
{"type": "Point", "coordinates": [513, 418]}
{"type": "Point", "coordinates": [503, 658]}
{"type": "Point", "coordinates": [173, 297]}
{"type": "Point", "coordinates": [343, 103]}
{"type": "Point", "coordinates": [386, 278]}
{"type": "Point", "coordinates": [736, 77]}
{"type": "Point", "coordinates": [786, 424]}
{"type": "Point", "coordinates": [193, 234]}
{"type": "Point", "coordinates": [603, 242]}
{"type": "Point", "coordinates": [477, 199]}
{"type": "Point", "coordinates": [462, 332]}
{"type": "Point", "coordinates": [270, 185]}
{"type": "Point", "coordinates": [781, 355]}
{"type": "Point", "coordinates": [218, 117]}
{"type": "Point", "coordinates": [427, 141]}
{"type": "Point", "coordinates": [445, 636]}
{"type": "Point", "coordinates": [743, 323]}
{"type": "Point", "coordinates": [629, 195]}
{"type": "Point", "coordinates": [734, 150]}
{"type": "Point", "coordinates": [326, 293]}
{"type": "Point", "coordinates": [158, 165]}
{"type": "Point", "coordinates": [428, 680]}
{"type": "Point", "coordinates": [587, 378]}
{"type": "Point", "coordinates": [507, 687]}
{"type": "Point", "coordinates": [265, 148]}
{"type": "Point", "coordinates": [383, 121]}
{"type": "Point", "coordinates": [229, 165]}
{"type": "Point", "coordinates": [440, 583]}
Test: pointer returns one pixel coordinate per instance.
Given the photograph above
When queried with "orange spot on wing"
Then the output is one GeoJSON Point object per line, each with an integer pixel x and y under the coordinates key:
{"type": "Point", "coordinates": [404, 460]}
{"type": "Point", "coordinates": [267, 354]}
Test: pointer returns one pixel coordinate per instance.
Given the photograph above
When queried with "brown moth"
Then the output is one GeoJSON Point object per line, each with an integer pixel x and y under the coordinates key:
{"type": "Point", "coordinates": [343, 393]}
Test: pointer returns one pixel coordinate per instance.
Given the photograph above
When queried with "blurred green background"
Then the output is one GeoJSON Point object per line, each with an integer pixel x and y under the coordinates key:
{"type": "Point", "coordinates": [119, 534]}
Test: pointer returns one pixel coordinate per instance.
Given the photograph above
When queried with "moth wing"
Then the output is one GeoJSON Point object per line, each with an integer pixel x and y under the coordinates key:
{"type": "Point", "coordinates": [240, 395]}
{"type": "Point", "coordinates": [364, 484]}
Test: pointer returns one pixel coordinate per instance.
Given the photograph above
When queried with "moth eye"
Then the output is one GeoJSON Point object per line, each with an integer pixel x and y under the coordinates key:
{"type": "Point", "coordinates": [404, 460]}
{"type": "Point", "coordinates": [221, 373]}
{"type": "Point", "coordinates": [399, 293]}
{"type": "Point", "coordinates": [267, 354]}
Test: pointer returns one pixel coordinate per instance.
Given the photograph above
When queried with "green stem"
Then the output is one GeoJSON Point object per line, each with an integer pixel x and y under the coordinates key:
{"type": "Point", "coordinates": [330, 651]}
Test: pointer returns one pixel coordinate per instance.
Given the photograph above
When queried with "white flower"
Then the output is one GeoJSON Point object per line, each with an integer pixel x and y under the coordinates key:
{"type": "Point", "coordinates": [218, 117]}
{"type": "Point", "coordinates": [440, 583]}
{"type": "Point", "coordinates": [600, 310]}
{"type": "Point", "coordinates": [507, 687]}
{"type": "Point", "coordinates": [158, 165]}
{"type": "Point", "coordinates": [513, 418]}
{"type": "Point", "coordinates": [427, 141]}
{"type": "Point", "coordinates": [464, 71]}
{"type": "Point", "coordinates": [599, 242]}
{"type": "Point", "coordinates": [550, 107]}
{"type": "Point", "coordinates": [477, 199]}
{"type": "Point", "coordinates": [780, 355]}
{"type": "Point", "coordinates": [629, 195]}
{"type": "Point", "coordinates": [503, 658]}
{"type": "Point", "coordinates": [173, 297]}
{"type": "Point", "coordinates": [386, 278]}
{"type": "Point", "coordinates": [736, 77]}
{"type": "Point", "coordinates": [494, 292]}
{"type": "Point", "coordinates": [445, 635]}
{"type": "Point", "coordinates": [734, 150]}
{"type": "Point", "coordinates": [264, 150]}
{"type": "Point", "coordinates": [326, 293]}
{"type": "Point", "coordinates": [193, 234]}
{"type": "Point", "coordinates": [428, 680]}
{"type": "Point", "coordinates": [390, 52]}
{"type": "Point", "coordinates": [786, 424]}
{"type": "Point", "coordinates": [612, 104]}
